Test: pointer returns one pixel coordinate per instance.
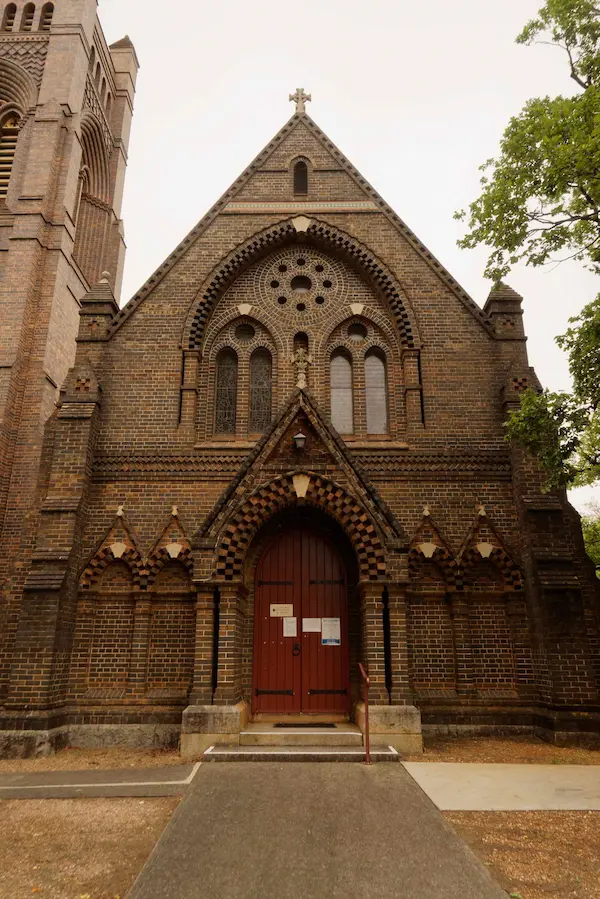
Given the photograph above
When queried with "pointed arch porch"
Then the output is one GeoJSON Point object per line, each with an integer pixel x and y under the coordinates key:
{"type": "Point", "coordinates": [287, 490]}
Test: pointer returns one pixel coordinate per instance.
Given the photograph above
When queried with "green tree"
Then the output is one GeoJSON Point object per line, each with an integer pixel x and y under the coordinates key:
{"type": "Point", "coordinates": [591, 534]}
{"type": "Point", "coordinates": [540, 203]}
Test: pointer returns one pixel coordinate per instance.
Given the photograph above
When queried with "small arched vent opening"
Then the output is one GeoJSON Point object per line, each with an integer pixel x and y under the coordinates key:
{"type": "Point", "coordinates": [9, 134]}
{"type": "Point", "coordinates": [28, 14]}
{"type": "Point", "coordinates": [301, 178]}
{"type": "Point", "coordinates": [46, 18]}
{"type": "Point", "coordinates": [10, 14]}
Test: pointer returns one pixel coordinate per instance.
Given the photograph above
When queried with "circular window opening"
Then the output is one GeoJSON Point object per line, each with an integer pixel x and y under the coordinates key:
{"type": "Point", "coordinates": [283, 268]}
{"type": "Point", "coordinates": [274, 283]}
{"type": "Point", "coordinates": [319, 268]}
{"type": "Point", "coordinates": [282, 300]}
{"type": "Point", "coordinates": [244, 332]}
{"type": "Point", "coordinates": [326, 283]}
{"type": "Point", "coordinates": [300, 307]}
{"type": "Point", "coordinates": [357, 332]}
{"type": "Point", "coordinates": [319, 301]}
{"type": "Point", "coordinates": [301, 284]}
{"type": "Point", "coordinates": [300, 261]}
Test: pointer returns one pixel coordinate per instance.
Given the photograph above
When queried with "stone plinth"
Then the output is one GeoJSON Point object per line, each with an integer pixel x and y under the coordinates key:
{"type": "Point", "coordinates": [203, 725]}
{"type": "Point", "coordinates": [395, 725]}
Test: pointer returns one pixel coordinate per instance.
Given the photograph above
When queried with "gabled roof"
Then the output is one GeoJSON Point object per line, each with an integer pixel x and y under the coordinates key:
{"type": "Point", "coordinates": [347, 166]}
{"type": "Point", "coordinates": [302, 400]}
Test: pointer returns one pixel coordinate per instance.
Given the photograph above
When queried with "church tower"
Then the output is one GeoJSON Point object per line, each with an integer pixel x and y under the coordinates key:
{"type": "Point", "coordinates": [66, 105]}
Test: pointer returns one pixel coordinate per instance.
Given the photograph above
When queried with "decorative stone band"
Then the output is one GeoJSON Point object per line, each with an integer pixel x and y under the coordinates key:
{"type": "Point", "coordinates": [306, 207]}
{"type": "Point", "coordinates": [216, 462]}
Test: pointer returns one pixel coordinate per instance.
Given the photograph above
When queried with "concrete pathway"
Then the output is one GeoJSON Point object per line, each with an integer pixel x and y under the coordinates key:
{"type": "Point", "coordinates": [168, 781]}
{"type": "Point", "coordinates": [493, 787]}
{"type": "Point", "coordinates": [262, 830]}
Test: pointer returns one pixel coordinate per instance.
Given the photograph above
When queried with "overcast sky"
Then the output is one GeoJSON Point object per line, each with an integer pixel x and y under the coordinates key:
{"type": "Point", "coordinates": [416, 94]}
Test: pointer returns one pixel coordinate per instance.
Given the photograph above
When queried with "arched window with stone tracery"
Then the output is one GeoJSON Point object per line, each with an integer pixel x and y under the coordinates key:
{"type": "Point", "coordinates": [342, 411]}
{"type": "Point", "coordinates": [261, 388]}
{"type": "Point", "coordinates": [226, 387]}
{"type": "Point", "coordinates": [376, 393]}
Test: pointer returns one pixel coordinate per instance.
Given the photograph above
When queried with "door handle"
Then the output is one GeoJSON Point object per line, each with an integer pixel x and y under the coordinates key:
{"type": "Point", "coordinates": [296, 649]}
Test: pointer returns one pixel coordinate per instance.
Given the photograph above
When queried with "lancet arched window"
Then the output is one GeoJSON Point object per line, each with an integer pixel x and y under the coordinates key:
{"type": "Point", "coordinates": [28, 14]}
{"type": "Point", "coordinates": [10, 14]}
{"type": "Point", "coordinates": [46, 17]}
{"type": "Point", "coordinates": [301, 178]}
{"type": "Point", "coordinates": [261, 388]}
{"type": "Point", "coordinates": [342, 416]}
{"type": "Point", "coordinates": [9, 134]}
{"type": "Point", "coordinates": [226, 392]}
{"type": "Point", "coordinates": [376, 393]}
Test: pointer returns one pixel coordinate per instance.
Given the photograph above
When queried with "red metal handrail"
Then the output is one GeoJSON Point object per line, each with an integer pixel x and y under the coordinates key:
{"type": "Point", "coordinates": [366, 684]}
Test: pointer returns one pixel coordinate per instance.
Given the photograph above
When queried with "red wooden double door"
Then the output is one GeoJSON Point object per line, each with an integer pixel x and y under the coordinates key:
{"type": "Point", "coordinates": [301, 655]}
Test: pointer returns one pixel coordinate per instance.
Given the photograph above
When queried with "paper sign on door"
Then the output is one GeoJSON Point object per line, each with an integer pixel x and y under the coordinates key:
{"type": "Point", "coordinates": [290, 627]}
{"type": "Point", "coordinates": [281, 610]}
{"type": "Point", "coordinates": [311, 625]}
{"type": "Point", "coordinates": [331, 633]}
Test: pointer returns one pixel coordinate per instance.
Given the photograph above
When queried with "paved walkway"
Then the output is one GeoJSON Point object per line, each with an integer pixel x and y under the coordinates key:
{"type": "Point", "coordinates": [479, 787]}
{"type": "Point", "coordinates": [262, 830]}
{"type": "Point", "coordinates": [117, 782]}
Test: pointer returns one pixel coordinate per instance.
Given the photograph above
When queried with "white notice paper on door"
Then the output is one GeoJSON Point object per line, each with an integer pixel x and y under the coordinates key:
{"type": "Point", "coordinates": [331, 633]}
{"type": "Point", "coordinates": [311, 625]}
{"type": "Point", "coordinates": [290, 627]}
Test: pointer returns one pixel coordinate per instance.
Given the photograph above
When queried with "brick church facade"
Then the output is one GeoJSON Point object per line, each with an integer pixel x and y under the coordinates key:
{"type": "Point", "coordinates": [284, 456]}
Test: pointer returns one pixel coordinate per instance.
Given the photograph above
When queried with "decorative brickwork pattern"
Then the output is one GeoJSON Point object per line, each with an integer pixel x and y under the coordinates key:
{"type": "Point", "coordinates": [484, 543]}
{"type": "Point", "coordinates": [280, 493]}
{"type": "Point", "coordinates": [428, 543]}
{"type": "Point", "coordinates": [29, 52]}
{"type": "Point", "coordinates": [118, 545]}
{"type": "Point", "coordinates": [327, 238]}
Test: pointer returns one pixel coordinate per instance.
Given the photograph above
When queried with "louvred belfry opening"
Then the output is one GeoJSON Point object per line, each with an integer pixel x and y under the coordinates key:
{"type": "Point", "coordinates": [301, 652]}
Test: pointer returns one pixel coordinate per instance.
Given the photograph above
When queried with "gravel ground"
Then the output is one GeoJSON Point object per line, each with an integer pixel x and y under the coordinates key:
{"type": "Point", "coordinates": [510, 750]}
{"type": "Point", "coordinates": [86, 759]}
{"type": "Point", "coordinates": [515, 750]}
{"type": "Point", "coordinates": [536, 855]}
{"type": "Point", "coordinates": [77, 848]}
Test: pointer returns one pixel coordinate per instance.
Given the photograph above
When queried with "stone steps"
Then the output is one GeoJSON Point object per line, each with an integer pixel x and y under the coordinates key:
{"type": "Point", "coordinates": [265, 734]}
{"type": "Point", "coordinates": [228, 753]}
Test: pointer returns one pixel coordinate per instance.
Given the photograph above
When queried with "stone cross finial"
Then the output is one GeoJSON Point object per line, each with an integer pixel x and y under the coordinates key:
{"type": "Point", "coordinates": [174, 512]}
{"type": "Point", "coordinates": [300, 99]}
{"type": "Point", "coordinates": [120, 512]}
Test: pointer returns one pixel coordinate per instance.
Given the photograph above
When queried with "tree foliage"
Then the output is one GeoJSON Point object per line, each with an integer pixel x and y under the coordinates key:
{"type": "Point", "coordinates": [540, 199]}
{"type": "Point", "coordinates": [540, 202]}
{"type": "Point", "coordinates": [590, 524]}
{"type": "Point", "coordinates": [563, 429]}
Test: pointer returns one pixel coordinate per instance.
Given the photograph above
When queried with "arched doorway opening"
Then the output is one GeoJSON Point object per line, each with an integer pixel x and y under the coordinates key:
{"type": "Point", "coordinates": [307, 635]}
